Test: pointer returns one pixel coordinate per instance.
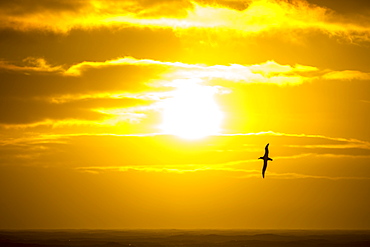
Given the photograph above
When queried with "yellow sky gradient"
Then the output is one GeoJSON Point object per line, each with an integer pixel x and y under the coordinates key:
{"type": "Point", "coordinates": [152, 114]}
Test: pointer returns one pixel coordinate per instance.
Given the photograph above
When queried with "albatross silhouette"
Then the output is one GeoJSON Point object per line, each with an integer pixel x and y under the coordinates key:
{"type": "Point", "coordinates": [265, 158]}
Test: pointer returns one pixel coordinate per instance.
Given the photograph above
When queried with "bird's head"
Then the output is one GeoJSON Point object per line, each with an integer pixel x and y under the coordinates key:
{"type": "Point", "coordinates": [260, 158]}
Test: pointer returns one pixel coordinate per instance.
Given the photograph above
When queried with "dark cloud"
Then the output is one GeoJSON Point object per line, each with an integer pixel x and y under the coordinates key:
{"type": "Point", "coordinates": [19, 10]}
{"type": "Point", "coordinates": [156, 7]}
{"type": "Point", "coordinates": [90, 45]}
{"type": "Point", "coordinates": [118, 78]}
{"type": "Point", "coordinates": [26, 95]}
{"type": "Point", "coordinates": [26, 7]}
{"type": "Point", "coordinates": [282, 47]}
{"type": "Point", "coordinates": [345, 7]}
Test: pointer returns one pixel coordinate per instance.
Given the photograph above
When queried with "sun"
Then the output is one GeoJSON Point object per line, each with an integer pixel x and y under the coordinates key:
{"type": "Point", "coordinates": [192, 111]}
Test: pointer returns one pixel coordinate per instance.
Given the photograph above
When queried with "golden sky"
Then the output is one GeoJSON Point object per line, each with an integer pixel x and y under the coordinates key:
{"type": "Point", "coordinates": [153, 113]}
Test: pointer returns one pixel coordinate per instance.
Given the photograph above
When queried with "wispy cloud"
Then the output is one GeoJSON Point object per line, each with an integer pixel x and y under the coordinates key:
{"type": "Point", "coordinates": [347, 75]}
{"type": "Point", "coordinates": [267, 72]}
{"type": "Point", "coordinates": [30, 64]}
{"type": "Point", "coordinates": [306, 176]}
{"type": "Point", "coordinates": [238, 168]}
{"type": "Point", "coordinates": [340, 146]}
{"type": "Point", "coordinates": [350, 142]}
{"type": "Point", "coordinates": [229, 170]}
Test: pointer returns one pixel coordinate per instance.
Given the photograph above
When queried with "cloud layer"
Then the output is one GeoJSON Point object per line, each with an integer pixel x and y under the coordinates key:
{"type": "Point", "coordinates": [36, 91]}
{"type": "Point", "coordinates": [246, 17]}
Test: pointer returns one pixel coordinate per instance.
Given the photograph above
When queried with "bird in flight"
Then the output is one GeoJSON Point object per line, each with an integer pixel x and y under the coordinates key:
{"type": "Point", "coordinates": [265, 158]}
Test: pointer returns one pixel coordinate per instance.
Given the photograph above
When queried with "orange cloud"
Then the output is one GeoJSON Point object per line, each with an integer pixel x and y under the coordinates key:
{"type": "Point", "coordinates": [267, 72]}
{"type": "Point", "coordinates": [258, 16]}
{"type": "Point", "coordinates": [31, 64]}
{"type": "Point", "coordinates": [348, 142]}
{"type": "Point", "coordinates": [346, 75]}
{"type": "Point", "coordinates": [145, 80]}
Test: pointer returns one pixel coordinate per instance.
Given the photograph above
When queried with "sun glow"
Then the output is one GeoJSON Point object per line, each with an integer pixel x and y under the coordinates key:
{"type": "Point", "coordinates": [191, 112]}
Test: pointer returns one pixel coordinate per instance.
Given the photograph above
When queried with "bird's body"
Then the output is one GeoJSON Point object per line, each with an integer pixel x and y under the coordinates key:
{"type": "Point", "coordinates": [265, 158]}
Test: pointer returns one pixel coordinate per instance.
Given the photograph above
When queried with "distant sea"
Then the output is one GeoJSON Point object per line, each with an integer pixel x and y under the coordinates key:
{"type": "Point", "coordinates": [183, 238]}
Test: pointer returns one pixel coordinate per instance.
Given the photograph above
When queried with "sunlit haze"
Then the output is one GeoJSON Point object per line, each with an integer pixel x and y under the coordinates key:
{"type": "Point", "coordinates": [152, 114]}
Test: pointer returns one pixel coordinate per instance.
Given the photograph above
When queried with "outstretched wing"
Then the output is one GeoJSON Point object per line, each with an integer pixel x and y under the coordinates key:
{"type": "Point", "coordinates": [267, 150]}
